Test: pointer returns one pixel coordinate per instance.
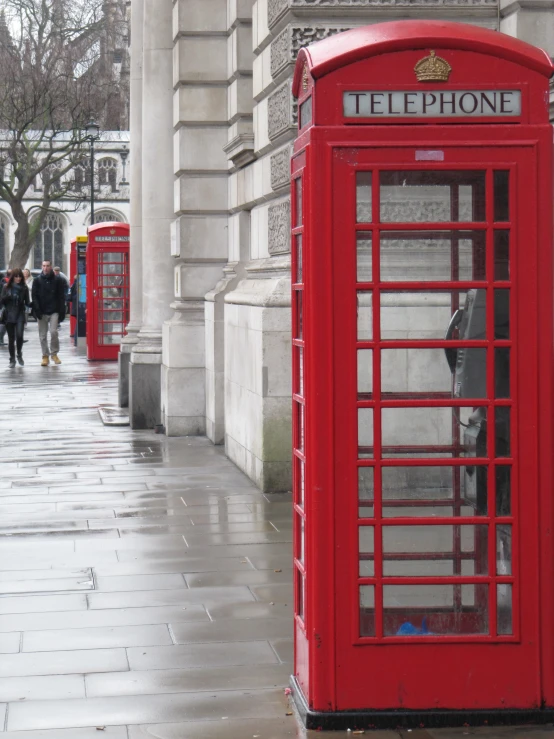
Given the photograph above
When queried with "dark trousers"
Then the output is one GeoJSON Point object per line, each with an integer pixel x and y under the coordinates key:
{"type": "Point", "coordinates": [15, 336]}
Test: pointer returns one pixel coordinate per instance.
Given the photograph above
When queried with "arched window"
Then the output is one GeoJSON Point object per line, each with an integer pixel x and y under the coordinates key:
{"type": "Point", "coordinates": [4, 238]}
{"type": "Point", "coordinates": [107, 172]}
{"type": "Point", "coordinates": [107, 215]}
{"type": "Point", "coordinates": [49, 241]}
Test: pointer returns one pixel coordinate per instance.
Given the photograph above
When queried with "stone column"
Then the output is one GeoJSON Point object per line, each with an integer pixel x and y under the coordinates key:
{"type": "Point", "coordinates": [157, 214]}
{"type": "Point", "coordinates": [529, 20]}
{"type": "Point", "coordinates": [137, 20]}
{"type": "Point", "coordinates": [199, 244]}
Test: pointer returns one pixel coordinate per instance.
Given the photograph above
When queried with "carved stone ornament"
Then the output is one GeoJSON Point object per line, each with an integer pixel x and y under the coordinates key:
{"type": "Point", "coordinates": [280, 168]}
{"type": "Point", "coordinates": [282, 111]}
{"type": "Point", "coordinates": [277, 8]}
{"type": "Point", "coordinates": [279, 228]}
{"type": "Point", "coordinates": [288, 43]}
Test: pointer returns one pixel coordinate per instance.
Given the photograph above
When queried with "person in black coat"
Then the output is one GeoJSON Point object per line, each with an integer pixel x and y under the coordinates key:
{"type": "Point", "coordinates": [49, 310]}
{"type": "Point", "coordinates": [15, 299]}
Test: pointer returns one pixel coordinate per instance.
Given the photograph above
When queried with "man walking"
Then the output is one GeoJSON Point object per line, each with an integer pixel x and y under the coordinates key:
{"type": "Point", "coordinates": [49, 309]}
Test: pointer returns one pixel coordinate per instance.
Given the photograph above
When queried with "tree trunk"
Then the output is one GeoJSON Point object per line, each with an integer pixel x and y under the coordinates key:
{"type": "Point", "coordinates": [25, 232]}
{"type": "Point", "coordinates": [22, 247]}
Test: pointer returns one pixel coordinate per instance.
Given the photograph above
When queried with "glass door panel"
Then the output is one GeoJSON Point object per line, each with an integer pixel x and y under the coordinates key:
{"type": "Point", "coordinates": [427, 514]}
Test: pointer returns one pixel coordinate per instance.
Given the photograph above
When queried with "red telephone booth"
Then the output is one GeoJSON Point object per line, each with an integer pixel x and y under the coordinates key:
{"type": "Point", "coordinates": [422, 378]}
{"type": "Point", "coordinates": [72, 273]}
{"type": "Point", "coordinates": [107, 289]}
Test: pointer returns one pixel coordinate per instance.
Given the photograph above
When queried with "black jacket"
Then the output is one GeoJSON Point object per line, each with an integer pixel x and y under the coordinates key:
{"type": "Point", "coordinates": [15, 302]}
{"type": "Point", "coordinates": [48, 296]}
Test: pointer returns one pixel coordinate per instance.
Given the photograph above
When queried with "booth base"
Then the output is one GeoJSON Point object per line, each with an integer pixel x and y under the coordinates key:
{"type": "Point", "coordinates": [368, 719]}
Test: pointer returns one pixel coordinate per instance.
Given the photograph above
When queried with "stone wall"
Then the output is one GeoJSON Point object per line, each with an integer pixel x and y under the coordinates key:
{"type": "Point", "coordinates": [225, 358]}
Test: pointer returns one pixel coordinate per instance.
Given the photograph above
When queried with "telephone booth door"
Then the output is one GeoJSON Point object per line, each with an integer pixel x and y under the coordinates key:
{"type": "Point", "coordinates": [437, 442]}
{"type": "Point", "coordinates": [72, 277]}
{"type": "Point", "coordinates": [422, 312]}
{"type": "Point", "coordinates": [108, 295]}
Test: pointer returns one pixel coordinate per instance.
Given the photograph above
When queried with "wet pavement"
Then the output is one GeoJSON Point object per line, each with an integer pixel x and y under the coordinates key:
{"type": "Point", "coordinates": [145, 583]}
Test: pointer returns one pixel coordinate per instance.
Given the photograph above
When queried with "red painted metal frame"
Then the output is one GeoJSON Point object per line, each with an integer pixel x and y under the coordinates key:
{"type": "Point", "coordinates": [96, 350]}
{"type": "Point", "coordinates": [335, 668]}
{"type": "Point", "coordinates": [72, 273]}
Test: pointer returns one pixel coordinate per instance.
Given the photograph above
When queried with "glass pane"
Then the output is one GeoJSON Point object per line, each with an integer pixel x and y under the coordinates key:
{"type": "Point", "coordinates": [365, 316]}
{"type": "Point", "coordinates": [299, 594]}
{"type": "Point", "coordinates": [501, 196]}
{"type": "Point", "coordinates": [300, 371]}
{"type": "Point", "coordinates": [299, 258]}
{"type": "Point", "coordinates": [365, 374]}
{"type": "Point", "coordinates": [503, 549]}
{"type": "Point", "coordinates": [501, 372]}
{"type": "Point", "coordinates": [111, 256]}
{"type": "Point", "coordinates": [434, 491]}
{"type": "Point", "coordinates": [502, 416]}
{"type": "Point", "coordinates": [434, 551]}
{"type": "Point", "coordinates": [306, 112]}
{"type": "Point", "coordinates": [299, 315]}
{"type": "Point", "coordinates": [417, 256]}
{"type": "Point", "coordinates": [423, 610]}
{"type": "Point", "coordinates": [364, 256]}
{"type": "Point", "coordinates": [367, 610]}
{"type": "Point", "coordinates": [298, 190]}
{"type": "Point", "coordinates": [301, 538]}
{"type": "Point", "coordinates": [432, 197]}
{"type": "Point", "coordinates": [365, 492]}
{"type": "Point", "coordinates": [407, 373]}
{"type": "Point", "coordinates": [112, 292]}
{"type": "Point", "coordinates": [112, 315]}
{"type": "Point", "coordinates": [501, 255]}
{"type": "Point", "coordinates": [301, 471]}
{"type": "Point", "coordinates": [503, 491]}
{"type": "Point", "coordinates": [428, 432]}
{"type": "Point", "coordinates": [300, 427]}
{"type": "Point", "coordinates": [363, 197]}
{"type": "Point", "coordinates": [365, 432]}
{"type": "Point", "coordinates": [437, 314]}
{"type": "Point", "coordinates": [365, 549]}
{"type": "Point", "coordinates": [501, 314]}
{"type": "Point", "coordinates": [504, 609]}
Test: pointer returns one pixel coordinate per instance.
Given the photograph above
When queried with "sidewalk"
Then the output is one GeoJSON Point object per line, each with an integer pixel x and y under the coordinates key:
{"type": "Point", "coordinates": [145, 583]}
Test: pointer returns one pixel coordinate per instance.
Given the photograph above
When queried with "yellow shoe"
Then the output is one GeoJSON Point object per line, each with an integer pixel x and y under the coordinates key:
{"type": "Point", "coordinates": [56, 359]}
{"type": "Point", "coordinates": [45, 361]}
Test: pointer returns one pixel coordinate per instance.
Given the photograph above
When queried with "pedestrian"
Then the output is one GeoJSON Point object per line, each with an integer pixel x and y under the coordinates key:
{"type": "Point", "coordinates": [5, 280]}
{"type": "Point", "coordinates": [49, 310]}
{"type": "Point", "coordinates": [29, 282]}
{"type": "Point", "coordinates": [60, 274]}
{"type": "Point", "coordinates": [28, 279]}
{"type": "Point", "coordinates": [15, 299]}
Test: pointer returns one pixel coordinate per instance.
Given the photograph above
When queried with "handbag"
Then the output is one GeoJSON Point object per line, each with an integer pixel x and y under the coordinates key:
{"type": "Point", "coordinates": [3, 314]}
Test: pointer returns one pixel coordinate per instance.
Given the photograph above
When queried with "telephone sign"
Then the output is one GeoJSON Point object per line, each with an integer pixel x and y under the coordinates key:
{"type": "Point", "coordinates": [422, 307]}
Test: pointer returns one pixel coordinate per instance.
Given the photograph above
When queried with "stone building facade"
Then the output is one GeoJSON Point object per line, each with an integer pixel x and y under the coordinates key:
{"type": "Point", "coordinates": [212, 120]}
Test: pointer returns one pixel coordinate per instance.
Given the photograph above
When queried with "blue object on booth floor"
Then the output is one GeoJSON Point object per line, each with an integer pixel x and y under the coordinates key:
{"type": "Point", "coordinates": [408, 629]}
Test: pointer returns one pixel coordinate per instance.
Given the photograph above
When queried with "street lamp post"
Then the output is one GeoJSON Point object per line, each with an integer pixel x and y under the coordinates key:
{"type": "Point", "coordinates": [93, 134]}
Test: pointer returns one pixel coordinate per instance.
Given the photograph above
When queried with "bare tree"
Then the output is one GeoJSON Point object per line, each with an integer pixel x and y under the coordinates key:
{"type": "Point", "coordinates": [51, 84]}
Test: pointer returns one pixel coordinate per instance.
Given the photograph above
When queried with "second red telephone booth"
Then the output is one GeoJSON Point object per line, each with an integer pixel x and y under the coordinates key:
{"type": "Point", "coordinates": [107, 288]}
{"type": "Point", "coordinates": [423, 371]}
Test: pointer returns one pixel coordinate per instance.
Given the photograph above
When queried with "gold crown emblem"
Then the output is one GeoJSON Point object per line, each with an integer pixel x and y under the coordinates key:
{"type": "Point", "coordinates": [112, 231]}
{"type": "Point", "coordinates": [432, 68]}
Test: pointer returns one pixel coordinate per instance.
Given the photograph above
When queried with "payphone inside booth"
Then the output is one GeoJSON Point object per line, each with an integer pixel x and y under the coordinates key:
{"type": "Point", "coordinates": [422, 304]}
{"type": "Point", "coordinates": [108, 289]}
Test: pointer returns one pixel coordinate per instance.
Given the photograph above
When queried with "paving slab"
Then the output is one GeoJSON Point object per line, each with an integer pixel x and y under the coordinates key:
{"type": "Point", "coordinates": [123, 710]}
